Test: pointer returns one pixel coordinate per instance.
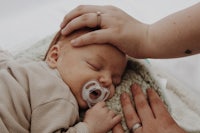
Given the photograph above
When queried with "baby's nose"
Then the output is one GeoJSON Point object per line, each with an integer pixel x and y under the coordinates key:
{"type": "Point", "coordinates": [106, 80]}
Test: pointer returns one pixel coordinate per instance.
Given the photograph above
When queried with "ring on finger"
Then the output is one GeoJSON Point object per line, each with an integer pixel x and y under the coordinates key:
{"type": "Point", "coordinates": [98, 18]}
{"type": "Point", "coordinates": [135, 127]}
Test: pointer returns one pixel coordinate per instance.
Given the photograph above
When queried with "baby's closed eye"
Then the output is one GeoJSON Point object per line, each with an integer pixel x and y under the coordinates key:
{"type": "Point", "coordinates": [95, 66]}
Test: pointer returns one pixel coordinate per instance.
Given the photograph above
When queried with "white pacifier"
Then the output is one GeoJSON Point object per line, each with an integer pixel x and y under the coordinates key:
{"type": "Point", "coordinates": [93, 93]}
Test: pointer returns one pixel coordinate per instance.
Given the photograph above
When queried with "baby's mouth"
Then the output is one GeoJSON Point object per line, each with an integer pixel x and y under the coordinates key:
{"type": "Point", "coordinates": [95, 94]}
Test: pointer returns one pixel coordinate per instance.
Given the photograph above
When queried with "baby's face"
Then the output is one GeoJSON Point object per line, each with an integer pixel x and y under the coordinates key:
{"type": "Point", "coordinates": [103, 63]}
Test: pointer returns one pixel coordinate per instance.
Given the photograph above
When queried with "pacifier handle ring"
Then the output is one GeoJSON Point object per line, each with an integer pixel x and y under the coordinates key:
{"type": "Point", "coordinates": [87, 89]}
{"type": "Point", "coordinates": [104, 95]}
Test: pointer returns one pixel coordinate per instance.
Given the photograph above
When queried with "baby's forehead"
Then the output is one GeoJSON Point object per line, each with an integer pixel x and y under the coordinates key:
{"type": "Point", "coordinates": [77, 33]}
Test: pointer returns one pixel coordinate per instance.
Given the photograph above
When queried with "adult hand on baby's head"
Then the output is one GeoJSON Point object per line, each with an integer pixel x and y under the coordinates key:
{"type": "Point", "coordinates": [152, 115]}
{"type": "Point", "coordinates": [116, 28]}
{"type": "Point", "coordinates": [100, 119]}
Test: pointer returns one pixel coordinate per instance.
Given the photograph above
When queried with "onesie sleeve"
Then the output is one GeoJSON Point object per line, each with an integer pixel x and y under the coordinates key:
{"type": "Point", "coordinates": [56, 117]}
{"type": "Point", "coordinates": [80, 127]}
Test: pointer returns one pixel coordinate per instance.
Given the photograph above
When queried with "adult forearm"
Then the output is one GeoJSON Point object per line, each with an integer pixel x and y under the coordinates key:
{"type": "Point", "coordinates": [176, 35]}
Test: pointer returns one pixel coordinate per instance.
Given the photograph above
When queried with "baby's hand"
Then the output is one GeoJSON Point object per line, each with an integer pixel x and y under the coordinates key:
{"type": "Point", "coordinates": [100, 119]}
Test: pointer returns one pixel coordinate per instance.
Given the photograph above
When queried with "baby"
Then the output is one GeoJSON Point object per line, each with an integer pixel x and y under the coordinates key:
{"type": "Point", "coordinates": [45, 96]}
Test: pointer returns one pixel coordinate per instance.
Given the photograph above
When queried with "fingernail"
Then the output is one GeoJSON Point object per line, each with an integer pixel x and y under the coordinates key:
{"type": "Point", "coordinates": [124, 95]}
{"type": "Point", "coordinates": [73, 42]}
{"type": "Point", "coordinates": [62, 31]}
{"type": "Point", "coordinates": [149, 90]}
{"type": "Point", "coordinates": [61, 25]}
{"type": "Point", "coordinates": [135, 86]}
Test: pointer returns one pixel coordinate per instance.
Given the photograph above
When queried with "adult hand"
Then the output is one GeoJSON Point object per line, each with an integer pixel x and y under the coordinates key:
{"type": "Point", "coordinates": [153, 115]}
{"type": "Point", "coordinates": [115, 27]}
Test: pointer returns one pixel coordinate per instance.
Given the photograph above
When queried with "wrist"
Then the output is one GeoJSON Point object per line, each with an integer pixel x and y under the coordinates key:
{"type": "Point", "coordinates": [145, 41]}
{"type": "Point", "coordinates": [89, 127]}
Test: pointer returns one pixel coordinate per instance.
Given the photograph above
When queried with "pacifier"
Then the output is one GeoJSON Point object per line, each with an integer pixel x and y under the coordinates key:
{"type": "Point", "coordinates": [93, 93]}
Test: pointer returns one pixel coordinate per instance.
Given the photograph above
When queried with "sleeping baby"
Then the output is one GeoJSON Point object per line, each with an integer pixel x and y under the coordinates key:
{"type": "Point", "coordinates": [45, 96]}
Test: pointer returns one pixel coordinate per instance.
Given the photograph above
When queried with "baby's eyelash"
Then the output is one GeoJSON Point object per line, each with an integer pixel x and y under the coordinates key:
{"type": "Point", "coordinates": [94, 66]}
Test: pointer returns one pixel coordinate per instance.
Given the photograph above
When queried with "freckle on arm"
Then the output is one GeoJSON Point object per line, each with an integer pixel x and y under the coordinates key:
{"type": "Point", "coordinates": [188, 51]}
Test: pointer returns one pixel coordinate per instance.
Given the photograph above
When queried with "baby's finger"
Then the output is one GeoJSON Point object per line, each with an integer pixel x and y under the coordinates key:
{"type": "Point", "coordinates": [101, 104]}
{"type": "Point", "coordinates": [111, 113]}
{"type": "Point", "coordinates": [116, 119]}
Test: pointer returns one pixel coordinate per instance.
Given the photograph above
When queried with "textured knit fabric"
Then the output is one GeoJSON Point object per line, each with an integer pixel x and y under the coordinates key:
{"type": "Point", "coordinates": [34, 98]}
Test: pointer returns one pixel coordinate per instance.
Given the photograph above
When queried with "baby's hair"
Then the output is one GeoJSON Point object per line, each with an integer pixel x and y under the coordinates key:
{"type": "Point", "coordinates": [59, 37]}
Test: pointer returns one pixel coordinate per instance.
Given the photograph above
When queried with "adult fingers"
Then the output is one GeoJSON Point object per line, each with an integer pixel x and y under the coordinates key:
{"type": "Point", "coordinates": [85, 20]}
{"type": "Point", "coordinates": [157, 105]}
{"type": "Point", "coordinates": [80, 10]}
{"type": "Point", "coordinates": [129, 112]}
{"type": "Point", "coordinates": [97, 37]}
{"type": "Point", "coordinates": [143, 109]}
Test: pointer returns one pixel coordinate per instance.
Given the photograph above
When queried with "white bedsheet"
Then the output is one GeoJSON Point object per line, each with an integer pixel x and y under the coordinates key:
{"type": "Point", "coordinates": [24, 22]}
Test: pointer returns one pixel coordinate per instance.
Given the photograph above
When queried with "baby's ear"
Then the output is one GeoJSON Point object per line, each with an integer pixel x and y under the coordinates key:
{"type": "Point", "coordinates": [53, 55]}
